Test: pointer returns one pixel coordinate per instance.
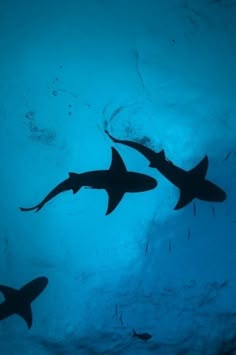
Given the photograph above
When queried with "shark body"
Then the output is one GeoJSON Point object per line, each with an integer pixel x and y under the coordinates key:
{"type": "Point", "coordinates": [192, 184]}
{"type": "Point", "coordinates": [19, 301]}
{"type": "Point", "coordinates": [116, 181]}
{"type": "Point", "coordinates": [142, 336]}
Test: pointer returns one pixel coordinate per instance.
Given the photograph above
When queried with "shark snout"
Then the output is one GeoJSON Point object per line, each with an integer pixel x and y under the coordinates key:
{"type": "Point", "coordinates": [150, 183]}
{"type": "Point", "coordinates": [212, 192]}
{"type": "Point", "coordinates": [153, 183]}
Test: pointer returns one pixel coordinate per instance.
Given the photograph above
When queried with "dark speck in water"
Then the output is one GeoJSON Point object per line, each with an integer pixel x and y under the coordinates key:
{"type": "Point", "coordinates": [69, 113]}
{"type": "Point", "coordinates": [55, 93]}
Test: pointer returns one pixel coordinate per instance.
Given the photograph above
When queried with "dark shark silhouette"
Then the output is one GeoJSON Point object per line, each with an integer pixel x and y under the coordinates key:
{"type": "Point", "coordinates": [116, 181]}
{"type": "Point", "coordinates": [19, 301]}
{"type": "Point", "coordinates": [142, 336]}
{"type": "Point", "coordinates": [192, 183]}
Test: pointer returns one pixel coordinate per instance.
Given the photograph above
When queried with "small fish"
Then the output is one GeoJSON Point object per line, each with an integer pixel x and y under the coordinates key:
{"type": "Point", "coordinates": [189, 233]}
{"type": "Point", "coordinates": [142, 336]}
{"type": "Point", "coordinates": [116, 310]}
{"type": "Point", "coordinates": [121, 319]}
{"type": "Point", "coordinates": [146, 250]}
{"type": "Point", "coordinates": [227, 156]}
{"type": "Point", "coordinates": [169, 246]}
{"type": "Point", "coordinates": [213, 211]}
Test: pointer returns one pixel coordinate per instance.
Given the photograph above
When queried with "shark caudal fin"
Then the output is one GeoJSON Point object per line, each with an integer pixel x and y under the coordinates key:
{"type": "Point", "coordinates": [198, 173]}
{"type": "Point", "coordinates": [115, 194]}
{"type": "Point", "coordinates": [36, 208]}
{"type": "Point", "coordinates": [19, 301]}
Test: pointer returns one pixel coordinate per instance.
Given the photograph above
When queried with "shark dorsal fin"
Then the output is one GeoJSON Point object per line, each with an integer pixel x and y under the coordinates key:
{"type": "Point", "coordinates": [162, 154]}
{"type": "Point", "coordinates": [114, 197]}
{"type": "Point", "coordinates": [26, 313]}
{"type": "Point", "coordinates": [201, 168]}
{"type": "Point", "coordinates": [117, 164]}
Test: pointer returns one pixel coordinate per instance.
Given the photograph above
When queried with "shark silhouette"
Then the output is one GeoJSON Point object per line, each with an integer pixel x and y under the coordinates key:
{"type": "Point", "coordinates": [19, 301]}
{"type": "Point", "coordinates": [192, 184]}
{"type": "Point", "coordinates": [142, 336]}
{"type": "Point", "coordinates": [116, 181]}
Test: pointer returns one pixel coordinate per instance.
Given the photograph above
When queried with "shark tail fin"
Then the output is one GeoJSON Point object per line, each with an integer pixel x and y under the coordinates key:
{"type": "Point", "coordinates": [111, 137]}
{"type": "Point", "coordinates": [134, 333]}
{"type": "Point", "coordinates": [36, 208]}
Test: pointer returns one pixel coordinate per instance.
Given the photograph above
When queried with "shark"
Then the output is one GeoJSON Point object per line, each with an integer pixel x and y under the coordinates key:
{"type": "Point", "coordinates": [19, 301]}
{"type": "Point", "coordinates": [142, 336]}
{"type": "Point", "coordinates": [117, 181]}
{"type": "Point", "coordinates": [191, 183]}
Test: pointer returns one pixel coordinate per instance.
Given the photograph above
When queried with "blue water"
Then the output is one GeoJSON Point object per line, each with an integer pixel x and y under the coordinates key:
{"type": "Point", "coordinates": [161, 71]}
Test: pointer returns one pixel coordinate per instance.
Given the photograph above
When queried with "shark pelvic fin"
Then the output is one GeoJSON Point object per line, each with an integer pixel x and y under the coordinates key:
{"type": "Point", "coordinates": [75, 186]}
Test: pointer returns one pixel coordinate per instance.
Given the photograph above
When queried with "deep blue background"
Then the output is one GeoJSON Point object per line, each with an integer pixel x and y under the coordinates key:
{"type": "Point", "coordinates": [65, 67]}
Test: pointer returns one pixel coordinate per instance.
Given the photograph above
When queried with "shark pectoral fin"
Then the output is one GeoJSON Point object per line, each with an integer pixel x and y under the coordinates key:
{"type": "Point", "coordinates": [26, 314]}
{"type": "Point", "coordinates": [114, 197]}
{"type": "Point", "coordinates": [117, 164]}
{"type": "Point", "coordinates": [201, 168]}
{"type": "Point", "coordinates": [34, 288]}
{"type": "Point", "coordinates": [184, 199]}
